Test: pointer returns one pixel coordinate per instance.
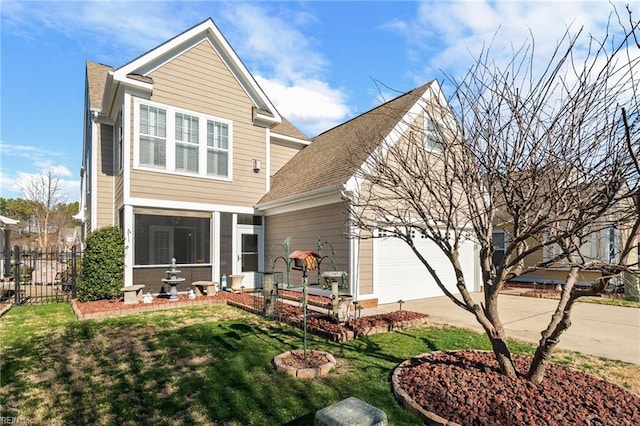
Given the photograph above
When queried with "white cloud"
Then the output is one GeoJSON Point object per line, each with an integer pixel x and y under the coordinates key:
{"type": "Point", "coordinates": [287, 66]}
{"type": "Point", "coordinates": [311, 104]}
{"type": "Point", "coordinates": [268, 38]}
{"type": "Point", "coordinates": [453, 33]}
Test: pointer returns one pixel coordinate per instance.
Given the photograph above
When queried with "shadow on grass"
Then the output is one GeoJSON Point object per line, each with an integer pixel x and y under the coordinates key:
{"type": "Point", "coordinates": [185, 369]}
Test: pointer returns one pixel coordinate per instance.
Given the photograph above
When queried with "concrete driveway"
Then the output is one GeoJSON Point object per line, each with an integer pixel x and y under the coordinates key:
{"type": "Point", "coordinates": [607, 331]}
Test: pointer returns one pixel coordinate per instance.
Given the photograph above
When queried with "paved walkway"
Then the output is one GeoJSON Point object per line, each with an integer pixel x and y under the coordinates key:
{"type": "Point", "coordinates": [607, 331]}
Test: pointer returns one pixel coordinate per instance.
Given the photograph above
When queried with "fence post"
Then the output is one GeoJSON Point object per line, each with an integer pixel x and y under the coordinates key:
{"type": "Point", "coordinates": [73, 272]}
{"type": "Point", "coordinates": [18, 274]}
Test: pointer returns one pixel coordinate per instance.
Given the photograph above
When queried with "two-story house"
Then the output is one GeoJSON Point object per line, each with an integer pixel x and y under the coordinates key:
{"type": "Point", "coordinates": [185, 152]}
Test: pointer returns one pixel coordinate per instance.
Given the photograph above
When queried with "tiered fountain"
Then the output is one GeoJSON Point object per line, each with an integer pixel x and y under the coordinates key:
{"type": "Point", "coordinates": [173, 280]}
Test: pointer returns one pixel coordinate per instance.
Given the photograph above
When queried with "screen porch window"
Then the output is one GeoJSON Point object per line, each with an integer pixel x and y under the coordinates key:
{"type": "Point", "coordinates": [153, 136]}
{"type": "Point", "coordinates": [217, 149]}
{"type": "Point", "coordinates": [160, 238]}
{"type": "Point", "coordinates": [186, 143]}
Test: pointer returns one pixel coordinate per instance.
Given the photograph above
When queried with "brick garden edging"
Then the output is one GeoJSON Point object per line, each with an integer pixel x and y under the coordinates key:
{"type": "Point", "coordinates": [344, 334]}
{"type": "Point", "coordinates": [429, 417]}
{"type": "Point", "coordinates": [397, 326]}
{"type": "Point", "coordinates": [304, 373]}
{"type": "Point", "coordinates": [5, 307]}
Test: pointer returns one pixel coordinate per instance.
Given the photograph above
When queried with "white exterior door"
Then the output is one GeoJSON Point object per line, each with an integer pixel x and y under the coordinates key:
{"type": "Point", "coordinates": [250, 255]}
{"type": "Point", "coordinates": [399, 274]}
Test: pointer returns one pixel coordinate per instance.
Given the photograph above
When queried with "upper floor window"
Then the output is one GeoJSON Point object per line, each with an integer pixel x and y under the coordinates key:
{"type": "Point", "coordinates": [432, 134]}
{"type": "Point", "coordinates": [186, 143]}
{"type": "Point", "coordinates": [217, 149]}
{"type": "Point", "coordinates": [182, 141]}
{"type": "Point", "coordinates": [118, 156]}
{"type": "Point", "coordinates": [153, 136]}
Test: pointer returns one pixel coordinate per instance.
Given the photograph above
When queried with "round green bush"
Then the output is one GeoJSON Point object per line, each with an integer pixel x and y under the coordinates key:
{"type": "Point", "coordinates": [102, 265]}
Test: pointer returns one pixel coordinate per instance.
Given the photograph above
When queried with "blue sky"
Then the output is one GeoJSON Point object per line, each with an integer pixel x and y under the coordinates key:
{"type": "Point", "coordinates": [321, 63]}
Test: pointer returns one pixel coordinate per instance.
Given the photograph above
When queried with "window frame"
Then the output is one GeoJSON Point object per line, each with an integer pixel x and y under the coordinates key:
{"type": "Point", "coordinates": [505, 244]}
{"type": "Point", "coordinates": [172, 142]}
{"type": "Point", "coordinates": [431, 135]}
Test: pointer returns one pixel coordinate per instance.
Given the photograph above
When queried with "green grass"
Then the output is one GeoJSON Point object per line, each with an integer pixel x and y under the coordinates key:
{"type": "Point", "coordinates": [201, 365]}
{"type": "Point", "coordinates": [613, 301]}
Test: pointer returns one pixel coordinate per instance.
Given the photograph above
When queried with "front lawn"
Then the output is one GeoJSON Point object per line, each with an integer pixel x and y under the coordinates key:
{"type": "Point", "coordinates": [204, 365]}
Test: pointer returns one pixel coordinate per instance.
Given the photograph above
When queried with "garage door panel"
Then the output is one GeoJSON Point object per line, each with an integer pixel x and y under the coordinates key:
{"type": "Point", "coordinates": [399, 274]}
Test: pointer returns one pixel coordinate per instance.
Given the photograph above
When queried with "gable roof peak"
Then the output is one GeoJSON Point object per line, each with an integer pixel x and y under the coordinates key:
{"type": "Point", "coordinates": [333, 156]}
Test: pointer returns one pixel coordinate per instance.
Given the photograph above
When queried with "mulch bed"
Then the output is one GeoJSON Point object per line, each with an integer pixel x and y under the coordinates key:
{"type": "Point", "coordinates": [466, 387]}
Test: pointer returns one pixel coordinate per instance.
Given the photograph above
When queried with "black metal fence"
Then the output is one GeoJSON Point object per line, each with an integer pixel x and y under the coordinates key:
{"type": "Point", "coordinates": [38, 277]}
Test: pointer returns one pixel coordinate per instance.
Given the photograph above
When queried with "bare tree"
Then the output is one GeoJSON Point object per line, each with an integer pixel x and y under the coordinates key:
{"type": "Point", "coordinates": [550, 156]}
{"type": "Point", "coordinates": [44, 191]}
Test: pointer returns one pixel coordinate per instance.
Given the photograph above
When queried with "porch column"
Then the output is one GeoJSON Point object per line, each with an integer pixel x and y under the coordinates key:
{"type": "Point", "coordinates": [215, 246]}
{"type": "Point", "coordinates": [128, 230]}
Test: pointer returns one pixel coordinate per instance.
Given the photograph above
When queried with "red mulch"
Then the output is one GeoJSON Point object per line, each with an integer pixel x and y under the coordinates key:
{"type": "Point", "coordinates": [466, 387]}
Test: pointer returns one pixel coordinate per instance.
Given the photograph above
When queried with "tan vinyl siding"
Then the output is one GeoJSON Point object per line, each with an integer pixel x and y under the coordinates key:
{"type": "Point", "coordinates": [118, 192]}
{"type": "Point", "coordinates": [304, 227]}
{"type": "Point", "coordinates": [199, 81]}
{"type": "Point", "coordinates": [280, 154]}
{"type": "Point", "coordinates": [104, 174]}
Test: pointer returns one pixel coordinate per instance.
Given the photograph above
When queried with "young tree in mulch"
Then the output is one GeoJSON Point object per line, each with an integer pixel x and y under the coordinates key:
{"type": "Point", "coordinates": [102, 265]}
{"type": "Point", "coordinates": [552, 156]}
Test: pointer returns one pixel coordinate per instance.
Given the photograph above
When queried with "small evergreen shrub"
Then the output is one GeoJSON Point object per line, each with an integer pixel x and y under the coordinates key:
{"type": "Point", "coordinates": [102, 265]}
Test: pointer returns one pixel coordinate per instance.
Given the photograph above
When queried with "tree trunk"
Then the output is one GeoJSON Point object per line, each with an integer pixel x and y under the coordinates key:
{"type": "Point", "coordinates": [560, 321]}
{"type": "Point", "coordinates": [490, 321]}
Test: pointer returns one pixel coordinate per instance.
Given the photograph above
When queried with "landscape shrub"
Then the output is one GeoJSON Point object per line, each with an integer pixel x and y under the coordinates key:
{"type": "Point", "coordinates": [102, 265]}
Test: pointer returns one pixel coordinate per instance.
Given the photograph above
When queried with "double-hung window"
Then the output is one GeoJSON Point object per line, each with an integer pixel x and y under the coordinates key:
{"type": "Point", "coordinates": [186, 143]}
{"type": "Point", "coordinates": [217, 149]}
{"type": "Point", "coordinates": [153, 136]}
{"type": "Point", "coordinates": [182, 142]}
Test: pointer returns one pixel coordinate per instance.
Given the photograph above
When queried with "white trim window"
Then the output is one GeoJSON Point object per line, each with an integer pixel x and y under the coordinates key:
{"type": "Point", "coordinates": [587, 251]}
{"type": "Point", "coordinates": [186, 143]}
{"type": "Point", "coordinates": [217, 149]}
{"type": "Point", "coordinates": [153, 136]}
{"type": "Point", "coordinates": [182, 142]}
{"type": "Point", "coordinates": [499, 240]}
{"type": "Point", "coordinates": [610, 245]}
{"type": "Point", "coordinates": [432, 134]}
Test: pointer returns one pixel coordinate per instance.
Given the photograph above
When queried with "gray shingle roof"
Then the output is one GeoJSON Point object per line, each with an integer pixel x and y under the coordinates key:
{"type": "Point", "coordinates": [334, 156]}
{"type": "Point", "coordinates": [96, 79]}
{"type": "Point", "coordinates": [288, 129]}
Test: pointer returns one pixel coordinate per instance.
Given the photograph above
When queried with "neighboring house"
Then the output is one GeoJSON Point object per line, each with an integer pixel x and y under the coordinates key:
{"type": "Point", "coordinates": [184, 151]}
{"type": "Point", "coordinates": [604, 245]}
{"type": "Point", "coordinates": [7, 226]}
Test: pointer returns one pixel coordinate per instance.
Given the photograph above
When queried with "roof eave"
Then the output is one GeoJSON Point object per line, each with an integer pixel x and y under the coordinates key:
{"type": "Point", "coordinates": [315, 197]}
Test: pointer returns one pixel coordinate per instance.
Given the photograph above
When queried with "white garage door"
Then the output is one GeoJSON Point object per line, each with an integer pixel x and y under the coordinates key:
{"type": "Point", "coordinates": [399, 274]}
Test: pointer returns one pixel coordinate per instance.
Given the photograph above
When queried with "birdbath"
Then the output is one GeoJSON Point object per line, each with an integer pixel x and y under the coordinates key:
{"type": "Point", "coordinates": [173, 280]}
